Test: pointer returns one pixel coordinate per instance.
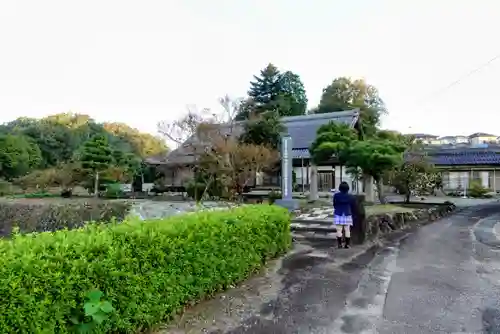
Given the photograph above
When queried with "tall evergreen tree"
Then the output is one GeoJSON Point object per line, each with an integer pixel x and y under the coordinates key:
{"type": "Point", "coordinates": [283, 93]}
{"type": "Point", "coordinates": [266, 87]}
{"type": "Point", "coordinates": [95, 157]}
{"type": "Point", "coordinates": [293, 89]}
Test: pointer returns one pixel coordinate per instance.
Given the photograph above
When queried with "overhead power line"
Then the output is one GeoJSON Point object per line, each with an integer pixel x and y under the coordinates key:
{"type": "Point", "coordinates": [460, 79]}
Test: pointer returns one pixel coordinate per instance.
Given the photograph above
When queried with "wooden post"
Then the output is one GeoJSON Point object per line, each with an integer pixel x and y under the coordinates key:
{"type": "Point", "coordinates": [313, 187]}
{"type": "Point", "coordinates": [307, 174]}
{"type": "Point", "coordinates": [302, 173]}
{"type": "Point", "coordinates": [494, 181]}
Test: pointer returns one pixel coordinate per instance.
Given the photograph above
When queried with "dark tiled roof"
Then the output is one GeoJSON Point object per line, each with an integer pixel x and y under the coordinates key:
{"type": "Point", "coordinates": [422, 135]}
{"type": "Point", "coordinates": [461, 148]}
{"type": "Point", "coordinates": [470, 157]}
{"type": "Point", "coordinates": [301, 153]}
{"type": "Point", "coordinates": [481, 134]}
{"type": "Point", "coordinates": [302, 129]}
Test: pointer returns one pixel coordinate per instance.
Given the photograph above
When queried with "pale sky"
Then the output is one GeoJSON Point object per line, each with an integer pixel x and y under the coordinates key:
{"type": "Point", "coordinates": [139, 62]}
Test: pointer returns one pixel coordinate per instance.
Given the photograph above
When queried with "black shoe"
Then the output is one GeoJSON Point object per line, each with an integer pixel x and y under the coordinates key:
{"type": "Point", "coordinates": [347, 243]}
{"type": "Point", "coordinates": [339, 242]}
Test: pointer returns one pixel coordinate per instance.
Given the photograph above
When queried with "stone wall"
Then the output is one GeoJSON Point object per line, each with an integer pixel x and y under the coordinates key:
{"type": "Point", "coordinates": [375, 226]}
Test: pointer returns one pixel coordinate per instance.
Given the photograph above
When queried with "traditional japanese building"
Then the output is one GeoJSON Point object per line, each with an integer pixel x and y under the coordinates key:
{"type": "Point", "coordinates": [460, 162]}
{"type": "Point", "coordinates": [177, 164]}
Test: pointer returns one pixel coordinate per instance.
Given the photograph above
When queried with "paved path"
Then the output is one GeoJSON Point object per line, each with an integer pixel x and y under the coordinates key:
{"type": "Point", "coordinates": [442, 278]}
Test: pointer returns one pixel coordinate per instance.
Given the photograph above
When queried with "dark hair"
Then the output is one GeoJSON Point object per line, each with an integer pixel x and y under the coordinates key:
{"type": "Point", "coordinates": [344, 187]}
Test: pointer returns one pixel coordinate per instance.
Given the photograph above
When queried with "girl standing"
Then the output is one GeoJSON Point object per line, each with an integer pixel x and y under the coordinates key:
{"type": "Point", "coordinates": [342, 202]}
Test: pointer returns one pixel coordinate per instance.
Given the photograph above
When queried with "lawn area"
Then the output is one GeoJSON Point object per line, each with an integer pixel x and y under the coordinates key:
{"type": "Point", "coordinates": [370, 209]}
{"type": "Point", "coordinates": [385, 208]}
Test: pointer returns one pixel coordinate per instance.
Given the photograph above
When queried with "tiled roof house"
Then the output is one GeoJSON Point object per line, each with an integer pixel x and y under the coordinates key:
{"type": "Point", "coordinates": [302, 129]}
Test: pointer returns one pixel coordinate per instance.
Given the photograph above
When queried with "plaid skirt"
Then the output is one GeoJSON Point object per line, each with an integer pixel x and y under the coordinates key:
{"type": "Point", "coordinates": [342, 220]}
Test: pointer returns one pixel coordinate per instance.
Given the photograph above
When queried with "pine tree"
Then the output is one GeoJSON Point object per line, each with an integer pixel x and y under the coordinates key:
{"type": "Point", "coordinates": [294, 92]}
{"type": "Point", "coordinates": [266, 87]}
{"type": "Point", "coordinates": [96, 156]}
{"type": "Point", "coordinates": [283, 93]}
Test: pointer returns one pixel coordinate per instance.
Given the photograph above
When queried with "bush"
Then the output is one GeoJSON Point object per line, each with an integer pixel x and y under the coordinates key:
{"type": "Point", "coordinates": [39, 216]}
{"type": "Point", "coordinates": [273, 196]}
{"type": "Point", "coordinates": [39, 194]}
{"type": "Point", "coordinates": [67, 193]}
{"type": "Point", "coordinates": [148, 270]}
{"type": "Point", "coordinates": [195, 190]}
{"type": "Point", "coordinates": [476, 190]}
{"type": "Point", "coordinates": [114, 190]}
{"type": "Point", "coordinates": [6, 188]}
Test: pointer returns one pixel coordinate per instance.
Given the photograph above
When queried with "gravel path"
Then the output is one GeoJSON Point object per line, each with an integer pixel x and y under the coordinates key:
{"type": "Point", "coordinates": [156, 209]}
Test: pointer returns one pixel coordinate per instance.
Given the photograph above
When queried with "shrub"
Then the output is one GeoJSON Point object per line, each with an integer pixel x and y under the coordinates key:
{"type": "Point", "coordinates": [5, 187]}
{"type": "Point", "coordinates": [477, 190]}
{"type": "Point", "coordinates": [273, 196]}
{"type": "Point", "coordinates": [38, 194]}
{"type": "Point", "coordinates": [147, 270]}
{"type": "Point", "coordinates": [195, 190]}
{"type": "Point", "coordinates": [66, 193]}
{"type": "Point", "coordinates": [114, 190]}
{"type": "Point", "coordinates": [40, 215]}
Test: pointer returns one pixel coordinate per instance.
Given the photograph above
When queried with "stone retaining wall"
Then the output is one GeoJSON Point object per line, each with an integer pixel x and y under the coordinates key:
{"type": "Point", "coordinates": [375, 226]}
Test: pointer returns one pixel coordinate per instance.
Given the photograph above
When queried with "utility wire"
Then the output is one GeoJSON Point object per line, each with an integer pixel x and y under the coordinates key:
{"type": "Point", "coordinates": [460, 79]}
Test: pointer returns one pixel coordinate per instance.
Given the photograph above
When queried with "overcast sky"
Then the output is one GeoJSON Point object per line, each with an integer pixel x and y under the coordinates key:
{"type": "Point", "coordinates": [143, 61]}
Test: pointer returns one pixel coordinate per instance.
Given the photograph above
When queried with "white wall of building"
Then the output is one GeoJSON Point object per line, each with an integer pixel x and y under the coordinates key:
{"type": "Point", "coordinates": [461, 180]}
{"type": "Point", "coordinates": [481, 140]}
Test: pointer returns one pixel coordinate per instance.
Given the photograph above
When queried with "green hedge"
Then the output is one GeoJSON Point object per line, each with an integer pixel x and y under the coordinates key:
{"type": "Point", "coordinates": [32, 215]}
{"type": "Point", "coordinates": [147, 270]}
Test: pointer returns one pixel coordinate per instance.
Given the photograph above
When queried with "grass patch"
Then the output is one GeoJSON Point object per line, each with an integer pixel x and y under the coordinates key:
{"type": "Point", "coordinates": [385, 208]}
{"type": "Point", "coordinates": [371, 209]}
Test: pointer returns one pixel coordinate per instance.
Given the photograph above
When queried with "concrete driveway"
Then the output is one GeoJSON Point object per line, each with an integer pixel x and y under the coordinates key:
{"type": "Point", "coordinates": [441, 278]}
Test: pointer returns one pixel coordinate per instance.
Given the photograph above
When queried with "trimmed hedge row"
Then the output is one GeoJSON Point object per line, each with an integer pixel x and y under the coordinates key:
{"type": "Point", "coordinates": [40, 215]}
{"type": "Point", "coordinates": [147, 270]}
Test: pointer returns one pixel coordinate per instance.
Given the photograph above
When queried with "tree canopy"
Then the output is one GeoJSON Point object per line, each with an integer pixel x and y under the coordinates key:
{"type": "Point", "coordinates": [415, 174]}
{"type": "Point", "coordinates": [272, 90]}
{"type": "Point", "coordinates": [345, 94]}
{"type": "Point", "coordinates": [18, 155]}
{"type": "Point", "coordinates": [265, 129]}
{"type": "Point", "coordinates": [332, 141]}
{"type": "Point", "coordinates": [374, 156]}
{"type": "Point", "coordinates": [28, 144]}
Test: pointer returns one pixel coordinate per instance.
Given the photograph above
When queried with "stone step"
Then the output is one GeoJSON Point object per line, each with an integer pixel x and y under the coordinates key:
{"type": "Point", "coordinates": [309, 226]}
{"type": "Point", "coordinates": [313, 221]}
{"type": "Point", "coordinates": [313, 236]}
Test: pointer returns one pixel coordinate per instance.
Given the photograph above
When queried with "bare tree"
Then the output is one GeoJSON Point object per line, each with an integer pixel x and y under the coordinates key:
{"type": "Point", "coordinates": [226, 158]}
{"type": "Point", "coordinates": [215, 146]}
{"type": "Point", "coordinates": [181, 129]}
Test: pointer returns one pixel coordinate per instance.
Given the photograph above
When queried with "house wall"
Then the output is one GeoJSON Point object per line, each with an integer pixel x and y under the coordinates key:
{"type": "Point", "coordinates": [338, 175]}
{"type": "Point", "coordinates": [481, 140]}
{"type": "Point", "coordinates": [461, 179]}
{"type": "Point", "coordinates": [176, 176]}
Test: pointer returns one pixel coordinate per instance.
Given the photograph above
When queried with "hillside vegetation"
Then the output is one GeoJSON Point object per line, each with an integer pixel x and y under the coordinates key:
{"type": "Point", "coordinates": [69, 149]}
